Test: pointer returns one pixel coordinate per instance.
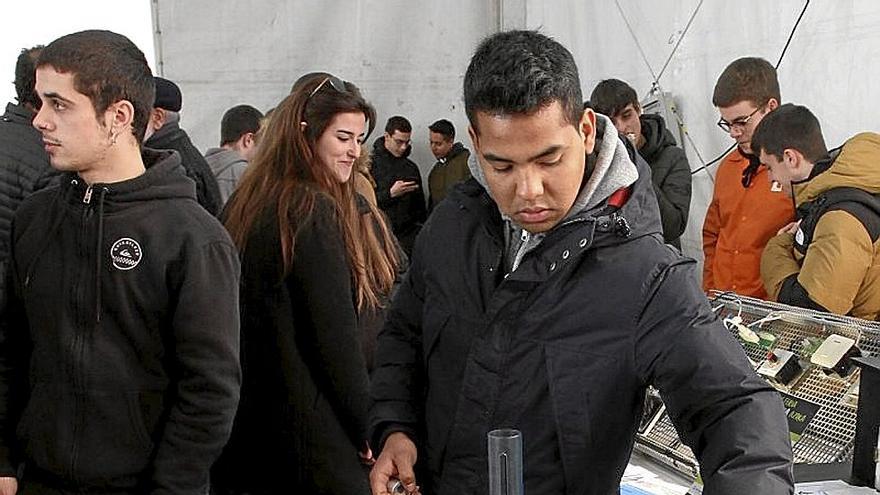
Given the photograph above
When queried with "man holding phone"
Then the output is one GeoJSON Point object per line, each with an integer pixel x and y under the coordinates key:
{"type": "Point", "coordinates": [398, 181]}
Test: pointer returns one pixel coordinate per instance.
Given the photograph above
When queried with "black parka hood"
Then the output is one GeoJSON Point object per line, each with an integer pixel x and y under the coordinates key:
{"type": "Point", "coordinates": [657, 136]}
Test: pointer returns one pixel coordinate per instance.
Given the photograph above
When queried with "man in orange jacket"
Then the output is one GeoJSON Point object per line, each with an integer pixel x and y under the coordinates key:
{"type": "Point", "coordinates": [745, 211]}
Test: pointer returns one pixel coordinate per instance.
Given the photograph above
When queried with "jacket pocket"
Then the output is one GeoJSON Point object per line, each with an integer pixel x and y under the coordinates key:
{"type": "Point", "coordinates": [41, 430]}
{"type": "Point", "coordinates": [117, 439]}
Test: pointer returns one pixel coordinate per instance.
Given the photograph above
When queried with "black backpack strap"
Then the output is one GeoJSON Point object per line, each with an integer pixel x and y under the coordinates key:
{"type": "Point", "coordinates": [857, 202]}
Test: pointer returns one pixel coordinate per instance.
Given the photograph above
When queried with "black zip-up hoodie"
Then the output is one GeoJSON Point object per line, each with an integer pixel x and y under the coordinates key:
{"type": "Point", "coordinates": [121, 336]}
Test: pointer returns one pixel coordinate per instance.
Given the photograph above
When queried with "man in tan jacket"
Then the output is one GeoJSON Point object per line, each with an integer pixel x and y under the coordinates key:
{"type": "Point", "coordinates": [829, 258]}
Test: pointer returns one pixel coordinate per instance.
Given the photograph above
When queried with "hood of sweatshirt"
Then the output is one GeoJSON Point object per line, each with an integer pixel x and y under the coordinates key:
{"type": "Point", "coordinates": [608, 169]}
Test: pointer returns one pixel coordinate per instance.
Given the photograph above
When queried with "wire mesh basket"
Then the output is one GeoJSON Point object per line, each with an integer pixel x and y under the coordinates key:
{"type": "Point", "coordinates": [829, 436]}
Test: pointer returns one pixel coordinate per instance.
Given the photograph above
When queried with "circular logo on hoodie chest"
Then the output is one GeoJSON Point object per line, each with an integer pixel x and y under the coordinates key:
{"type": "Point", "coordinates": [126, 253]}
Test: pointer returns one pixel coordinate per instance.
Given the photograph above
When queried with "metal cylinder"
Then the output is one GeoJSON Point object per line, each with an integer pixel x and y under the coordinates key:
{"type": "Point", "coordinates": [505, 462]}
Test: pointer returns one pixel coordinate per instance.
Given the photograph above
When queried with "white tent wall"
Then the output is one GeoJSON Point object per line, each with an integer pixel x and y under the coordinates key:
{"type": "Point", "coordinates": [409, 58]}
{"type": "Point", "coordinates": [830, 66]}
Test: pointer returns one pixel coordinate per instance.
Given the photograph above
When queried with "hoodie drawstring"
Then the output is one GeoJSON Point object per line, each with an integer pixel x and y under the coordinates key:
{"type": "Point", "coordinates": [100, 243]}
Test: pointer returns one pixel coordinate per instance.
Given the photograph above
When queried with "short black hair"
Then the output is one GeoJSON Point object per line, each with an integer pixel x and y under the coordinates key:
{"type": "Point", "coordinates": [611, 96]}
{"type": "Point", "coordinates": [746, 79]}
{"type": "Point", "coordinates": [238, 121]}
{"type": "Point", "coordinates": [443, 127]}
{"type": "Point", "coordinates": [397, 123]}
{"type": "Point", "coordinates": [107, 67]}
{"type": "Point", "coordinates": [521, 72]}
{"type": "Point", "coordinates": [26, 76]}
{"type": "Point", "coordinates": [790, 127]}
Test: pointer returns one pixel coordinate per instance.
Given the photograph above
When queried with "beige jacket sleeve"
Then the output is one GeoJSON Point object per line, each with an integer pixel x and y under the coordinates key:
{"type": "Point", "coordinates": [836, 262]}
{"type": "Point", "coordinates": [778, 262]}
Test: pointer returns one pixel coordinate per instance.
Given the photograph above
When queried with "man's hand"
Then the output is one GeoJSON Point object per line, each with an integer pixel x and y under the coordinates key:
{"type": "Point", "coordinates": [396, 461]}
{"type": "Point", "coordinates": [366, 455]}
{"type": "Point", "coordinates": [791, 228]}
{"type": "Point", "coordinates": [401, 187]}
{"type": "Point", "coordinates": [8, 486]}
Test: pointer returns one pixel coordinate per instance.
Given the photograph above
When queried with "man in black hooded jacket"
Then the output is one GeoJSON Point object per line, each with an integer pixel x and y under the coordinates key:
{"type": "Point", "coordinates": [24, 166]}
{"type": "Point", "coordinates": [398, 182]}
{"type": "Point", "coordinates": [670, 172]}
{"type": "Point", "coordinates": [119, 344]}
{"type": "Point", "coordinates": [541, 297]}
{"type": "Point", "coordinates": [163, 132]}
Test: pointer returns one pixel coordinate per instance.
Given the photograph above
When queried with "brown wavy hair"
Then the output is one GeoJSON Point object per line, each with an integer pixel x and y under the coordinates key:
{"type": "Point", "coordinates": [286, 175]}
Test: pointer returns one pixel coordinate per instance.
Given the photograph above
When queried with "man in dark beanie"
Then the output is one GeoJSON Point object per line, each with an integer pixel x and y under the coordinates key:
{"type": "Point", "coordinates": [164, 133]}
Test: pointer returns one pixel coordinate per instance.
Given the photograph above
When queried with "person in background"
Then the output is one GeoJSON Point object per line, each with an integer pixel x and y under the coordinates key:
{"type": "Point", "coordinates": [452, 161]}
{"type": "Point", "coordinates": [311, 262]}
{"type": "Point", "coordinates": [238, 144]}
{"type": "Point", "coordinates": [745, 211]}
{"type": "Point", "coordinates": [24, 164]}
{"type": "Point", "coordinates": [829, 260]}
{"type": "Point", "coordinates": [164, 133]}
{"type": "Point", "coordinates": [399, 182]}
{"type": "Point", "coordinates": [670, 172]}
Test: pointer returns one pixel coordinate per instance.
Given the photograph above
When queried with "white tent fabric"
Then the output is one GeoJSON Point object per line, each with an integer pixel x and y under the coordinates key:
{"type": "Point", "coordinates": [409, 58]}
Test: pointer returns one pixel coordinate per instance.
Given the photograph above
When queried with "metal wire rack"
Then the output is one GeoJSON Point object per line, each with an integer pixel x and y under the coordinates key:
{"type": "Point", "coordinates": [829, 436]}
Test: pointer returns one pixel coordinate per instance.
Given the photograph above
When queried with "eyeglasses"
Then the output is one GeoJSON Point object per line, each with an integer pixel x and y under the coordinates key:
{"type": "Point", "coordinates": [739, 123]}
{"type": "Point", "coordinates": [334, 81]}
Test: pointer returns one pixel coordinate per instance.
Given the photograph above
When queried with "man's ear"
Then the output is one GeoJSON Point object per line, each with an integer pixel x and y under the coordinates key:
{"type": "Point", "coordinates": [247, 140]}
{"type": "Point", "coordinates": [772, 104]}
{"type": "Point", "coordinates": [119, 118]}
{"type": "Point", "coordinates": [794, 161]}
{"type": "Point", "coordinates": [587, 128]}
{"type": "Point", "coordinates": [157, 119]}
{"type": "Point", "coordinates": [475, 138]}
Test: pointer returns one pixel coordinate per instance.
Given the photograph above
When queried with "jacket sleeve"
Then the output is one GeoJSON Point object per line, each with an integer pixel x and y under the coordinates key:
{"type": "Point", "coordinates": [674, 194]}
{"type": "Point", "coordinates": [421, 211]}
{"type": "Point", "coordinates": [383, 184]}
{"type": "Point", "coordinates": [7, 370]}
{"type": "Point", "coordinates": [397, 386]}
{"type": "Point", "coordinates": [711, 227]}
{"type": "Point", "coordinates": [13, 369]}
{"type": "Point", "coordinates": [327, 335]}
{"type": "Point", "coordinates": [829, 280]}
{"type": "Point", "coordinates": [463, 172]}
{"type": "Point", "coordinates": [731, 418]}
{"type": "Point", "coordinates": [778, 263]}
{"type": "Point", "coordinates": [205, 340]}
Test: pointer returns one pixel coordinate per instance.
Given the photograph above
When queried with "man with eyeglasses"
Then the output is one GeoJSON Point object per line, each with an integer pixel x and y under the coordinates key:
{"type": "Point", "coordinates": [745, 211]}
{"type": "Point", "coordinates": [398, 181]}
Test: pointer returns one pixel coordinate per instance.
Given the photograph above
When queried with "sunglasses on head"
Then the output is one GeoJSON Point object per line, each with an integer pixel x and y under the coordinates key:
{"type": "Point", "coordinates": [334, 81]}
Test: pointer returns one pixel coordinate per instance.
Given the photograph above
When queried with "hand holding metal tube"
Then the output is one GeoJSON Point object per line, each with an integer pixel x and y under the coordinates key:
{"type": "Point", "coordinates": [393, 470]}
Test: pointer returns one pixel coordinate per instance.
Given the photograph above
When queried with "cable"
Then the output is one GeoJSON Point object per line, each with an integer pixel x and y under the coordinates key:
{"type": "Point", "coordinates": [636, 39]}
{"type": "Point", "coordinates": [791, 35]}
{"type": "Point", "coordinates": [675, 48]}
{"type": "Point", "coordinates": [714, 161]}
{"type": "Point", "coordinates": [656, 78]}
{"type": "Point", "coordinates": [655, 87]}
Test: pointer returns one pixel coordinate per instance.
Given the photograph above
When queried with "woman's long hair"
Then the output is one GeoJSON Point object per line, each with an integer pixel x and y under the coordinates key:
{"type": "Point", "coordinates": [286, 175]}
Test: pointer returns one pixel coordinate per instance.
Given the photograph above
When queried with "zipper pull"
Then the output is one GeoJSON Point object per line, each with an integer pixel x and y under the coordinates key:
{"type": "Point", "coordinates": [87, 198]}
{"type": "Point", "coordinates": [524, 236]}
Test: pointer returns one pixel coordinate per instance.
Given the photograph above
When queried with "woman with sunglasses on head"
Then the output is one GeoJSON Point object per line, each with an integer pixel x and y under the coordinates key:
{"type": "Point", "coordinates": [311, 263]}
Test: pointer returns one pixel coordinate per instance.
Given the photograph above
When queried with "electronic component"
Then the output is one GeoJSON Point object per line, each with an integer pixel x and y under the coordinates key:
{"type": "Point", "coordinates": [834, 354]}
{"type": "Point", "coordinates": [781, 365]}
